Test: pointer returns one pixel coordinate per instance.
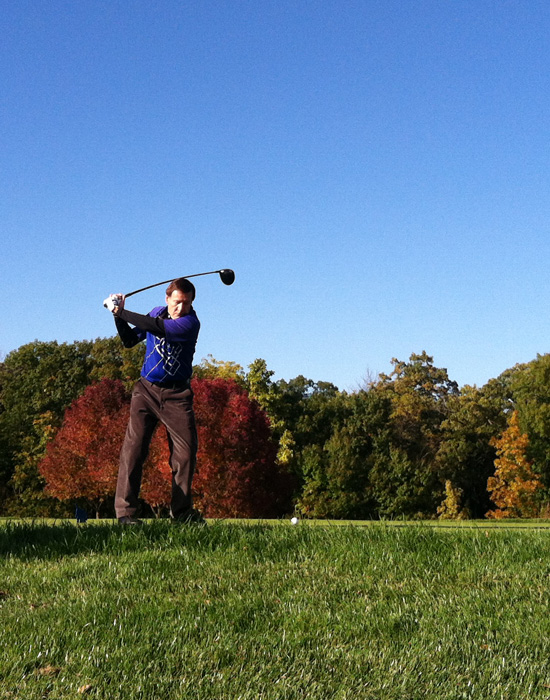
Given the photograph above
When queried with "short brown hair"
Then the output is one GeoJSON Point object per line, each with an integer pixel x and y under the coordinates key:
{"type": "Point", "coordinates": [182, 284]}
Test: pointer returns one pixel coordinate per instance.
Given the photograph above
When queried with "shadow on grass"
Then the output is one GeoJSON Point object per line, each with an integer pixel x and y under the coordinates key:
{"type": "Point", "coordinates": [42, 540]}
{"type": "Point", "coordinates": [50, 540]}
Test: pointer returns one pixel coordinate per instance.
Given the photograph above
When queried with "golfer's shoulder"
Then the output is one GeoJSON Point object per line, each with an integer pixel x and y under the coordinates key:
{"type": "Point", "coordinates": [157, 311]}
{"type": "Point", "coordinates": [193, 316]}
{"type": "Point", "coordinates": [190, 320]}
{"type": "Point", "coordinates": [183, 327]}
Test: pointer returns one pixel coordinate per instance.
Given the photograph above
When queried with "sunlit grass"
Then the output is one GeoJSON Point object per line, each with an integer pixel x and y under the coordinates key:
{"type": "Point", "coordinates": [271, 610]}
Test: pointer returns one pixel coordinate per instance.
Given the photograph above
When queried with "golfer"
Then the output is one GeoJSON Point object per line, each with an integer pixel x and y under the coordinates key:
{"type": "Point", "coordinates": [162, 393]}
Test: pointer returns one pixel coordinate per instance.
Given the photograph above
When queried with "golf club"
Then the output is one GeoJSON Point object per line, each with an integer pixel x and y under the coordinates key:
{"type": "Point", "coordinates": [227, 277]}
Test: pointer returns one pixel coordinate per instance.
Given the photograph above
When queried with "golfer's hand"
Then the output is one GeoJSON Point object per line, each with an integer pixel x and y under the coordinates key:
{"type": "Point", "coordinates": [113, 302]}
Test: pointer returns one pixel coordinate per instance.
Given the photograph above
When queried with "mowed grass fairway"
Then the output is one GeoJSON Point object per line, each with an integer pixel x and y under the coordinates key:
{"type": "Point", "coordinates": [276, 611]}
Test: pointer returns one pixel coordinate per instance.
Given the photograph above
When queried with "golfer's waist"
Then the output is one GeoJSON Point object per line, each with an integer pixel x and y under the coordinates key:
{"type": "Point", "coordinates": [170, 384]}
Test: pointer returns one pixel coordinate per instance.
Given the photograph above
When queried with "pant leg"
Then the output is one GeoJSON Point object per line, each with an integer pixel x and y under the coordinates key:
{"type": "Point", "coordinates": [141, 426]}
{"type": "Point", "coordinates": [179, 419]}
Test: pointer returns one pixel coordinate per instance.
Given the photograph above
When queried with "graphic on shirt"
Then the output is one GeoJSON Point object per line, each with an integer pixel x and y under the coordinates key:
{"type": "Point", "coordinates": [168, 357]}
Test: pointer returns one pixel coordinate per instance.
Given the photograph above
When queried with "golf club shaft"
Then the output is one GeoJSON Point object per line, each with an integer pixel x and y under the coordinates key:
{"type": "Point", "coordinates": [199, 274]}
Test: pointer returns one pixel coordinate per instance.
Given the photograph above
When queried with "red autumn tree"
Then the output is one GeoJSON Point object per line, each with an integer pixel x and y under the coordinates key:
{"type": "Point", "coordinates": [156, 484]}
{"type": "Point", "coordinates": [237, 473]}
{"type": "Point", "coordinates": [82, 459]}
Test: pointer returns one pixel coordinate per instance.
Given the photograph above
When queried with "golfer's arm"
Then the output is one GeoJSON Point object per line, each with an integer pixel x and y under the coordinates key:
{"type": "Point", "coordinates": [128, 335]}
{"type": "Point", "coordinates": [144, 323]}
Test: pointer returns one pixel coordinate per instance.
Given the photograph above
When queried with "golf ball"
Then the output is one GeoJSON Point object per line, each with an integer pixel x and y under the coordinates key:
{"type": "Point", "coordinates": [294, 521]}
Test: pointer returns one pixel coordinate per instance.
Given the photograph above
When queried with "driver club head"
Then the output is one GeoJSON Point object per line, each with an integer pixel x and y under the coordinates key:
{"type": "Point", "coordinates": [227, 276]}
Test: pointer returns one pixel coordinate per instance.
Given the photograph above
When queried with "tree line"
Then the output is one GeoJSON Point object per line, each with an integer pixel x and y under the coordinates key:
{"type": "Point", "coordinates": [408, 444]}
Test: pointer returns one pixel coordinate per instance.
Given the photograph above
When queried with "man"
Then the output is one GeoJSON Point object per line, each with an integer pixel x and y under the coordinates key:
{"type": "Point", "coordinates": [162, 393]}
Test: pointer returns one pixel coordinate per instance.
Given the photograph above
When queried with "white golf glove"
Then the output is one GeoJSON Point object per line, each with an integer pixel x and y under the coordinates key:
{"type": "Point", "coordinates": [112, 301]}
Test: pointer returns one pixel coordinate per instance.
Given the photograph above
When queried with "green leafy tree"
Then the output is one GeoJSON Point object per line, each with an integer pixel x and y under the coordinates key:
{"type": "Point", "coordinates": [111, 360]}
{"type": "Point", "coordinates": [337, 474]}
{"type": "Point", "coordinates": [259, 383]}
{"type": "Point", "coordinates": [27, 482]}
{"type": "Point", "coordinates": [530, 384]}
{"type": "Point", "coordinates": [210, 368]}
{"type": "Point", "coordinates": [6, 470]}
{"type": "Point", "coordinates": [41, 377]}
{"type": "Point", "coordinates": [262, 389]}
{"type": "Point", "coordinates": [38, 381]}
{"type": "Point", "coordinates": [466, 454]}
{"type": "Point", "coordinates": [302, 414]}
{"type": "Point", "coordinates": [405, 479]}
{"type": "Point", "coordinates": [451, 508]}
{"type": "Point", "coordinates": [380, 456]}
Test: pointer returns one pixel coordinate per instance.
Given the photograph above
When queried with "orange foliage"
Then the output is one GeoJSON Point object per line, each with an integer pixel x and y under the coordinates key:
{"type": "Point", "coordinates": [514, 486]}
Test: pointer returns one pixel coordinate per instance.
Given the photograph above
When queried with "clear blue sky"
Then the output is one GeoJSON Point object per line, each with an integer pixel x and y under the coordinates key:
{"type": "Point", "coordinates": [376, 173]}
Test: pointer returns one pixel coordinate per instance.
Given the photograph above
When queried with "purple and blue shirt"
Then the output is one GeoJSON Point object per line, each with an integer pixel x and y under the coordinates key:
{"type": "Point", "coordinates": [170, 342]}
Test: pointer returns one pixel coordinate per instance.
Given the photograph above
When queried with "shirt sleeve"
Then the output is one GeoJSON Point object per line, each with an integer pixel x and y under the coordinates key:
{"type": "Point", "coordinates": [144, 323]}
{"type": "Point", "coordinates": [129, 336]}
{"type": "Point", "coordinates": [179, 330]}
{"type": "Point", "coordinates": [175, 330]}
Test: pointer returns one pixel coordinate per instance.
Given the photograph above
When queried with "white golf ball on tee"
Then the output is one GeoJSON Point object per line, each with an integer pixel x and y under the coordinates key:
{"type": "Point", "coordinates": [294, 521]}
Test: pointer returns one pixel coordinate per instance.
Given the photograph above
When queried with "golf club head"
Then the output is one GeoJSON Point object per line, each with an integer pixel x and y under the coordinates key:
{"type": "Point", "coordinates": [227, 276]}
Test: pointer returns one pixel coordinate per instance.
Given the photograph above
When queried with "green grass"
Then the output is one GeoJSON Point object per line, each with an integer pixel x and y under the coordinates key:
{"type": "Point", "coordinates": [265, 610]}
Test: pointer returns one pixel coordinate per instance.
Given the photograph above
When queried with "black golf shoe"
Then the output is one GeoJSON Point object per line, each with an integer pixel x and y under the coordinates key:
{"type": "Point", "coordinates": [191, 517]}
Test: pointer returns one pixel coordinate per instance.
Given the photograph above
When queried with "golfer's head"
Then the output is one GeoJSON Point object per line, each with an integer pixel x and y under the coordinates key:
{"type": "Point", "coordinates": [179, 297]}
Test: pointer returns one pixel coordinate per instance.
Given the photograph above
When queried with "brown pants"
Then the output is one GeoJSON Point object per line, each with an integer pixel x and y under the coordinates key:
{"type": "Point", "coordinates": [174, 408]}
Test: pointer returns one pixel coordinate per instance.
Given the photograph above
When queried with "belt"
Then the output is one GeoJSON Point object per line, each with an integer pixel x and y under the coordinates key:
{"type": "Point", "coordinates": [171, 385]}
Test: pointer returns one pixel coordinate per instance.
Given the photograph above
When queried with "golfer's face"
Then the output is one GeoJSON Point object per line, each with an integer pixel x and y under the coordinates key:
{"type": "Point", "coordinates": [179, 303]}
